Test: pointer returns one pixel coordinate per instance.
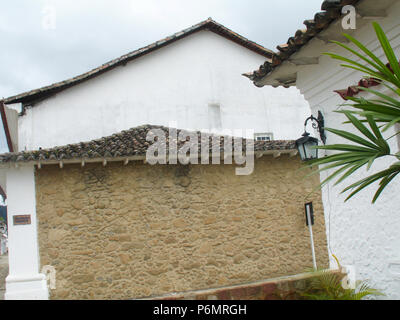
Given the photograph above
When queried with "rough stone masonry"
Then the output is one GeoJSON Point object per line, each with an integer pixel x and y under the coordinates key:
{"type": "Point", "coordinates": [135, 231]}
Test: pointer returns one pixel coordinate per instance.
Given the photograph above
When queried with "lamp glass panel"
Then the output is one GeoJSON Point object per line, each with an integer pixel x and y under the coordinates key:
{"type": "Point", "coordinates": [302, 152]}
{"type": "Point", "coordinates": [310, 152]}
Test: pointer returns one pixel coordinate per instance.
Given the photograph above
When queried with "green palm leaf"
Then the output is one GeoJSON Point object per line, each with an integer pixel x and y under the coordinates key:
{"type": "Point", "coordinates": [394, 63]}
{"type": "Point", "coordinates": [369, 117]}
{"type": "Point", "coordinates": [326, 285]}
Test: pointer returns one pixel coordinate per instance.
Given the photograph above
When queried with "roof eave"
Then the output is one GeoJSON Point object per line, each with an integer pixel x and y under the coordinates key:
{"type": "Point", "coordinates": [209, 24]}
{"type": "Point", "coordinates": [269, 73]}
{"type": "Point", "coordinates": [125, 160]}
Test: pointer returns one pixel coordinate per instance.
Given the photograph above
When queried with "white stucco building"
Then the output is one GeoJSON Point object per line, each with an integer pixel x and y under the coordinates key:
{"type": "Point", "coordinates": [359, 233]}
{"type": "Point", "coordinates": [190, 80]}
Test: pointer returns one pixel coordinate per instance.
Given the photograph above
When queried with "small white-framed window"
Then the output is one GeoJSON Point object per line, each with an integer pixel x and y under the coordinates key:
{"type": "Point", "coordinates": [263, 136]}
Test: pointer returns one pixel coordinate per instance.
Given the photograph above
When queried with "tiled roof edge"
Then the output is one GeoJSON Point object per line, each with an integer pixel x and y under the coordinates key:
{"type": "Point", "coordinates": [210, 24]}
{"type": "Point", "coordinates": [126, 143]}
{"type": "Point", "coordinates": [330, 11]}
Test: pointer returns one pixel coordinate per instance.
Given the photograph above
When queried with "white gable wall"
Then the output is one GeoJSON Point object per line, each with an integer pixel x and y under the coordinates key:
{"type": "Point", "coordinates": [359, 233]}
{"type": "Point", "coordinates": [175, 83]}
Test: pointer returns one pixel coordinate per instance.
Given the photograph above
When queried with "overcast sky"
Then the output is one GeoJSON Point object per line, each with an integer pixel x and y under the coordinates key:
{"type": "Point", "coordinates": [45, 41]}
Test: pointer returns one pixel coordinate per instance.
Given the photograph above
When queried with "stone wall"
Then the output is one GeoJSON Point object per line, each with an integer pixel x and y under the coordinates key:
{"type": "Point", "coordinates": [134, 231]}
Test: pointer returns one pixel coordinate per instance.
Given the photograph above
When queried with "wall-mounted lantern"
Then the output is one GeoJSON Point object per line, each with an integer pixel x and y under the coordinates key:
{"type": "Point", "coordinates": [306, 144]}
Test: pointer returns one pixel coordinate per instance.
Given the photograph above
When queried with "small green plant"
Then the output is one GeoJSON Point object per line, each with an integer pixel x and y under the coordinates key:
{"type": "Point", "coordinates": [326, 285]}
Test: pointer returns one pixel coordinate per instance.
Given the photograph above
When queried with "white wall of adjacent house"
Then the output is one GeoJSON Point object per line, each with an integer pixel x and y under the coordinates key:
{"type": "Point", "coordinates": [359, 233]}
{"type": "Point", "coordinates": [195, 82]}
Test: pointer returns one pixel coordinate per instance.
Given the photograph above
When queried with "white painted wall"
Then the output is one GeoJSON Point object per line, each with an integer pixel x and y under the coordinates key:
{"type": "Point", "coordinates": [24, 280]}
{"type": "Point", "coordinates": [359, 233]}
{"type": "Point", "coordinates": [176, 83]}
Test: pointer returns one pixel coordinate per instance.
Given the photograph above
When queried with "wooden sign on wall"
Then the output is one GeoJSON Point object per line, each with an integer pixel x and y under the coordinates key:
{"type": "Point", "coordinates": [22, 219]}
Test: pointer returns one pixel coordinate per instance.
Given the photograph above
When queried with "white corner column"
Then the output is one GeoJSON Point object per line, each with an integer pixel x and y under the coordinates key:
{"type": "Point", "coordinates": [24, 281]}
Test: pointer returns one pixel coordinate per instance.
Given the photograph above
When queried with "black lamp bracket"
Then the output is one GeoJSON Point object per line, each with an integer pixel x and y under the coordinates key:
{"type": "Point", "coordinates": [318, 124]}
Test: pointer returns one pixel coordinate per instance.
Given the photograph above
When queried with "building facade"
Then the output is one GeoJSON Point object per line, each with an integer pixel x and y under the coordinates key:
{"type": "Point", "coordinates": [191, 80]}
{"type": "Point", "coordinates": [360, 234]}
{"type": "Point", "coordinates": [107, 225]}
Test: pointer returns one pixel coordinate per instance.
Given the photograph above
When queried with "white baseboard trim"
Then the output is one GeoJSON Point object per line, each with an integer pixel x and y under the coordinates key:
{"type": "Point", "coordinates": [32, 287]}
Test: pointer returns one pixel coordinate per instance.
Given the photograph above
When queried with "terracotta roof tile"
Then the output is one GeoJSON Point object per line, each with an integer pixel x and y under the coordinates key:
{"type": "Point", "coordinates": [351, 91]}
{"type": "Point", "coordinates": [331, 10]}
{"type": "Point", "coordinates": [127, 143]}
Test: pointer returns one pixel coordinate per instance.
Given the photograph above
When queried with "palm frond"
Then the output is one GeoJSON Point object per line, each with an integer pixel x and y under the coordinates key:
{"type": "Point", "coordinates": [326, 285]}
{"type": "Point", "coordinates": [369, 117]}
